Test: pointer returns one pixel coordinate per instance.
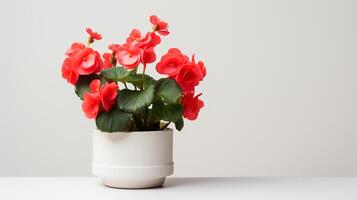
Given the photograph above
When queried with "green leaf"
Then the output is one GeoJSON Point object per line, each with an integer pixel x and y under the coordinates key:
{"type": "Point", "coordinates": [113, 121]}
{"type": "Point", "coordinates": [132, 101]}
{"type": "Point", "coordinates": [83, 82]}
{"type": "Point", "coordinates": [169, 112]}
{"type": "Point", "coordinates": [179, 124]}
{"type": "Point", "coordinates": [168, 91]}
{"type": "Point", "coordinates": [137, 80]}
{"type": "Point", "coordinates": [115, 74]}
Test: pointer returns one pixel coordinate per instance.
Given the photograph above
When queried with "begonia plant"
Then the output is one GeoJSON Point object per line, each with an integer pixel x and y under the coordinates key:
{"type": "Point", "coordinates": [117, 92]}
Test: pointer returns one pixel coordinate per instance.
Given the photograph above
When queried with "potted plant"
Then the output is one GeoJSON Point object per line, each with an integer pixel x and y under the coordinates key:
{"type": "Point", "coordinates": [132, 144]}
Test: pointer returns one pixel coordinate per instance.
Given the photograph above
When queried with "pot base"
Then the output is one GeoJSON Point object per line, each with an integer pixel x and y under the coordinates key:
{"type": "Point", "coordinates": [133, 183]}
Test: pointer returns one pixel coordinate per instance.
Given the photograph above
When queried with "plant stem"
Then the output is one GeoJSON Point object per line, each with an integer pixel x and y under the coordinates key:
{"type": "Point", "coordinates": [142, 76]}
{"type": "Point", "coordinates": [166, 125]}
{"type": "Point", "coordinates": [144, 69]}
{"type": "Point", "coordinates": [138, 122]}
{"type": "Point", "coordinates": [145, 118]}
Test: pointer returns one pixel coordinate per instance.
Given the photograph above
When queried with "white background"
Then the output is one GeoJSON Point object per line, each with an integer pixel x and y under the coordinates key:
{"type": "Point", "coordinates": [280, 94]}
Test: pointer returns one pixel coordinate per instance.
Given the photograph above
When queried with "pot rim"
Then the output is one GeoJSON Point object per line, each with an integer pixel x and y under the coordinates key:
{"type": "Point", "coordinates": [97, 131]}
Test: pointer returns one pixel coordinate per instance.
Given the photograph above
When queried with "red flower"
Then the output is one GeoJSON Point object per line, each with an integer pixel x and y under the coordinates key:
{"type": "Point", "coordinates": [132, 52]}
{"type": "Point", "coordinates": [86, 61]}
{"type": "Point", "coordinates": [94, 35]}
{"type": "Point", "coordinates": [145, 44]}
{"type": "Point", "coordinates": [134, 36]}
{"type": "Point", "coordinates": [68, 72]}
{"type": "Point", "coordinates": [159, 25]}
{"type": "Point", "coordinates": [188, 77]}
{"type": "Point", "coordinates": [191, 106]}
{"type": "Point", "coordinates": [91, 105]}
{"type": "Point", "coordinates": [203, 68]}
{"type": "Point", "coordinates": [75, 47]}
{"type": "Point", "coordinates": [147, 41]}
{"type": "Point", "coordinates": [91, 100]}
{"type": "Point", "coordinates": [107, 60]}
{"type": "Point", "coordinates": [200, 65]}
{"type": "Point", "coordinates": [154, 40]}
{"type": "Point", "coordinates": [171, 62]}
{"type": "Point", "coordinates": [108, 94]}
{"type": "Point", "coordinates": [148, 55]}
{"type": "Point", "coordinates": [128, 55]}
{"type": "Point", "coordinates": [99, 94]}
{"type": "Point", "coordinates": [114, 47]}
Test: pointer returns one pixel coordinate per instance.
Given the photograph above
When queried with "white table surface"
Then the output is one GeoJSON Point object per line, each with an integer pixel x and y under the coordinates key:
{"type": "Point", "coordinates": [81, 188]}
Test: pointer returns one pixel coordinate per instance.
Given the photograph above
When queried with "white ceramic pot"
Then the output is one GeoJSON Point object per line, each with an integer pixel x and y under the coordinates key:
{"type": "Point", "coordinates": [133, 159]}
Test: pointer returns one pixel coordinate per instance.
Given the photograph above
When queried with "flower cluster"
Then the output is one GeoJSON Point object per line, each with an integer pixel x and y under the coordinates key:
{"type": "Point", "coordinates": [188, 75]}
{"type": "Point", "coordinates": [104, 95]}
{"type": "Point", "coordinates": [148, 104]}
{"type": "Point", "coordinates": [80, 60]}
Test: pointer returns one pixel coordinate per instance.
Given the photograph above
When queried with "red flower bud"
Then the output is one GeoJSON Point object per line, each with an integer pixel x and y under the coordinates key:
{"type": "Point", "coordinates": [93, 35]}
